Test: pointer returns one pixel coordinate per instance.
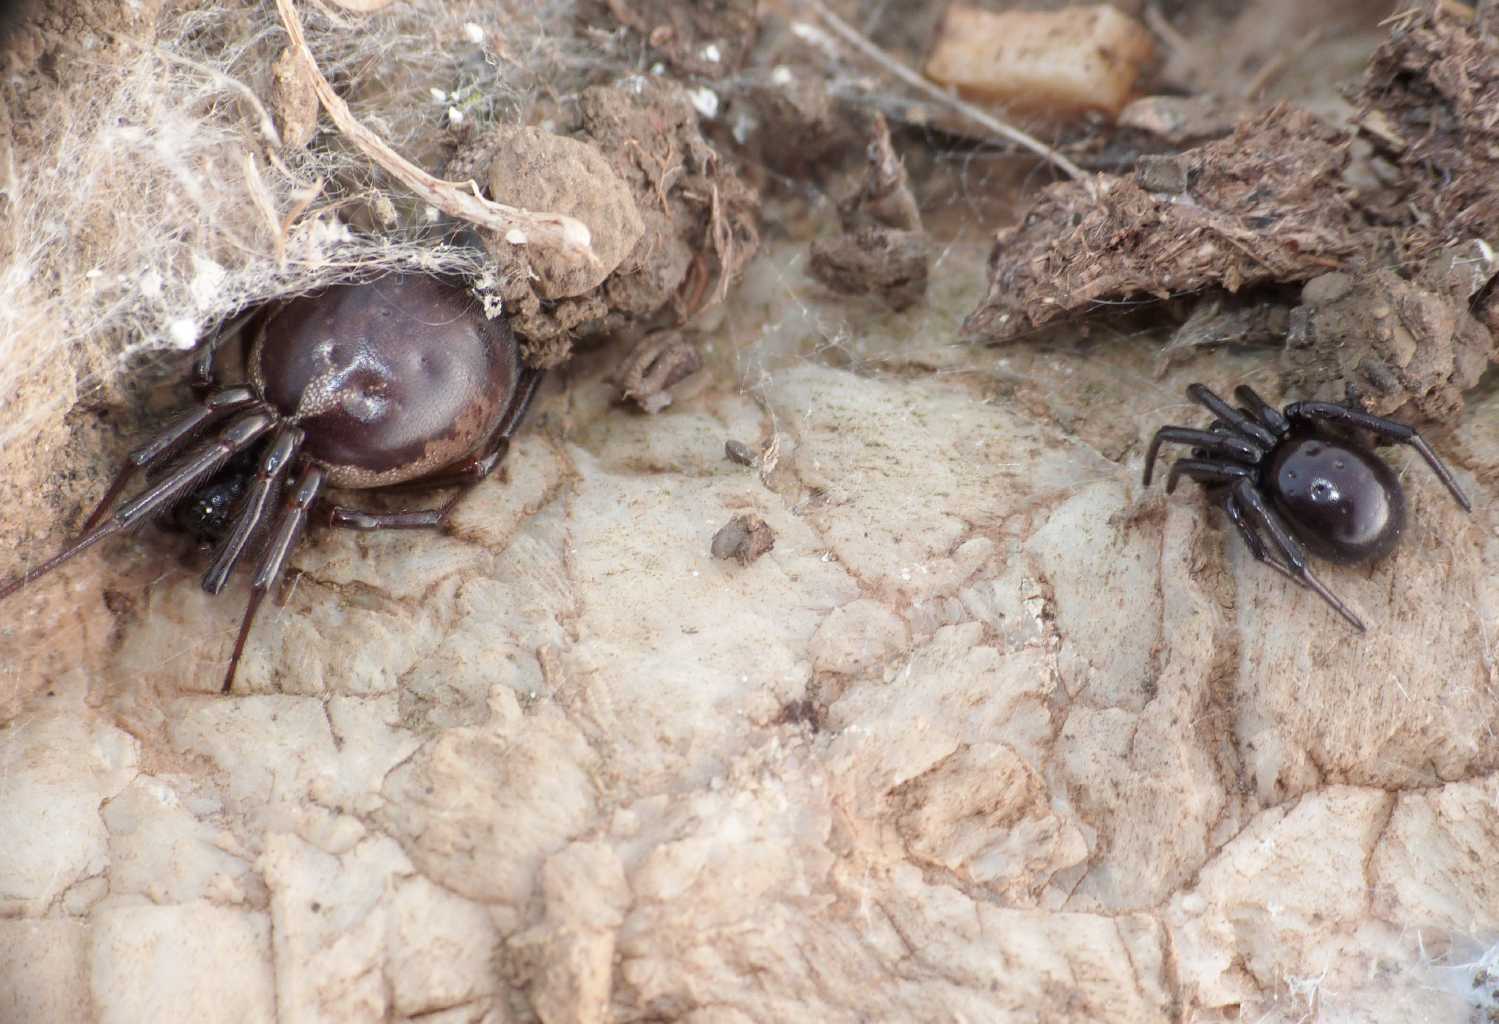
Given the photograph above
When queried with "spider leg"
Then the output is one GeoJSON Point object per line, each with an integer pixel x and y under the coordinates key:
{"type": "Point", "coordinates": [1252, 540]}
{"type": "Point", "coordinates": [211, 408]}
{"type": "Point", "coordinates": [1207, 471]}
{"type": "Point", "coordinates": [288, 530]}
{"type": "Point", "coordinates": [194, 467]}
{"type": "Point", "coordinates": [252, 513]}
{"type": "Point", "coordinates": [1203, 396]}
{"type": "Point", "coordinates": [1262, 411]}
{"type": "Point", "coordinates": [203, 379]}
{"type": "Point", "coordinates": [204, 383]}
{"type": "Point", "coordinates": [1240, 448]}
{"type": "Point", "coordinates": [1289, 547]}
{"type": "Point", "coordinates": [1331, 412]}
{"type": "Point", "coordinates": [464, 475]}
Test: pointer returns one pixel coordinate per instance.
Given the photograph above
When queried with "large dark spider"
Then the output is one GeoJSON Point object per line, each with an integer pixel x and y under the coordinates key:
{"type": "Point", "coordinates": [1293, 475]}
{"type": "Point", "coordinates": [401, 382]}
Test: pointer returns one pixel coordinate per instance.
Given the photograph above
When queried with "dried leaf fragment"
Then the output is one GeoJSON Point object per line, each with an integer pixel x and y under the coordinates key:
{"type": "Point", "coordinates": [1266, 205]}
{"type": "Point", "coordinates": [883, 249]}
{"type": "Point", "coordinates": [654, 366]}
{"type": "Point", "coordinates": [294, 101]}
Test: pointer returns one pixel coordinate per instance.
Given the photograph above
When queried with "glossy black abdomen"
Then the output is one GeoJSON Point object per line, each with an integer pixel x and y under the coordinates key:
{"type": "Point", "coordinates": [1342, 500]}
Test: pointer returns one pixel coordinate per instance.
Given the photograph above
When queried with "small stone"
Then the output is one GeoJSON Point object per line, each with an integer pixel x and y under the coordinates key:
{"type": "Point", "coordinates": [1162, 174]}
{"type": "Point", "coordinates": [738, 451]}
{"type": "Point", "coordinates": [1061, 62]}
{"type": "Point", "coordinates": [745, 538]}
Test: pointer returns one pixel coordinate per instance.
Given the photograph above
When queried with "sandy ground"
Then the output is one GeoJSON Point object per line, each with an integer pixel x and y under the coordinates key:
{"type": "Point", "coordinates": [991, 734]}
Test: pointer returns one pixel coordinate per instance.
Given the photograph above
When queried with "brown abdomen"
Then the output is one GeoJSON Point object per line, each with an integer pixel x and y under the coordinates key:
{"type": "Point", "coordinates": [391, 380]}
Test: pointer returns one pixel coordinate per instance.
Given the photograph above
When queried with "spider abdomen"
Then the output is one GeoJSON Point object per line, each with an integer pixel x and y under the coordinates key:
{"type": "Point", "coordinates": [1343, 501]}
{"type": "Point", "coordinates": [390, 380]}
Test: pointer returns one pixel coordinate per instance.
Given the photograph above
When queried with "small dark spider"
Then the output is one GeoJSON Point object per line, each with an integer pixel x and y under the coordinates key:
{"type": "Point", "coordinates": [396, 383]}
{"type": "Point", "coordinates": [1291, 475]}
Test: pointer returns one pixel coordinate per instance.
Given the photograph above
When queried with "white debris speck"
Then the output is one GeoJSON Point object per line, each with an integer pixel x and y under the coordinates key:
{"type": "Point", "coordinates": [431, 213]}
{"type": "Point", "coordinates": [782, 75]}
{"type": "Point", "coordinates": [658, 69]}
{"type": "Point", "coordinates": [473, 33]}
{"type": "Point", "coordinates": [150, 284]}
{"type": "Point", "coordinates": [183, 333]}
{"type": "Point", "coordinates": [515, 236]}
{"type": "Point", "coordinates": [455, 116]}
{"type": "Point", "coordinates": [712, 53]}
{"type": "Point", "coordinates": [705, 100]}
{"type": "Point", "coordinates": [94, 274]}
{"type": "Point", "coordinates": [438, 96]}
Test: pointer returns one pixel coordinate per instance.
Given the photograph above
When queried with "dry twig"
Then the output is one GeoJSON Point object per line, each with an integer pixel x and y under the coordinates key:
{"type": "Point", "coordinates": [851, 37]}
{"type": "Point", "coordinates": [515, 225]}
{"type": "Point", "coordinates": [1276, 66]}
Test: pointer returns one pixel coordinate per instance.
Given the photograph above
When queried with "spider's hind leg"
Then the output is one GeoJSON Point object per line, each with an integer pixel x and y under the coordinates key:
{"type": "Point", "coordinates": [1393, 430]}
{"type": "Point", "coordinates": [1252, 540]}
{"type": "Point", "coordinates": [1251, 502]}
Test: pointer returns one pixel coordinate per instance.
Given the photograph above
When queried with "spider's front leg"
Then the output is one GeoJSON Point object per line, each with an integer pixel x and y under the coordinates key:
{"type": "Point", "coordinates": [213, 408]}
{"type": "Point", "coordinates": [1235, 446]}
{"type": "Point", "coordinates": [178, 480]}
{"type": "Point", "coordinates": [285, 532]}
{"type": "Point", "coordinates": [1393, 430]}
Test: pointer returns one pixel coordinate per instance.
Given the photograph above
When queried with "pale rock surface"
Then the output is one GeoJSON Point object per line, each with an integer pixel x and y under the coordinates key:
{"type": "Point", "coordinates": [990, 734]}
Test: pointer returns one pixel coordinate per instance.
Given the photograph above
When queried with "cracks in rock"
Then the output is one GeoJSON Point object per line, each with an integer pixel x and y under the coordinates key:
{"type": "Point", "coordinates": [480, 1003]}
{"type": "Point", "coordinates": [1392, 802]}
{"type": "Point", "coordinates": [333, 734]}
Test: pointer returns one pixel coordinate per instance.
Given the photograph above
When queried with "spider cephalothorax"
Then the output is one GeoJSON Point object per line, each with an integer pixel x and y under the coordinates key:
{"type": "Point", "coordinates": [401, 381]}
{"type": "Point", "coordinates": [1292, 475]}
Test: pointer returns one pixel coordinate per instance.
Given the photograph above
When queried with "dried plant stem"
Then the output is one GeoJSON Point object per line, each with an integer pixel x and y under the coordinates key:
{"type": "Point", "coordinates": [851, 37]}
{"type": "Point", "coordinates": [515, 225]}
